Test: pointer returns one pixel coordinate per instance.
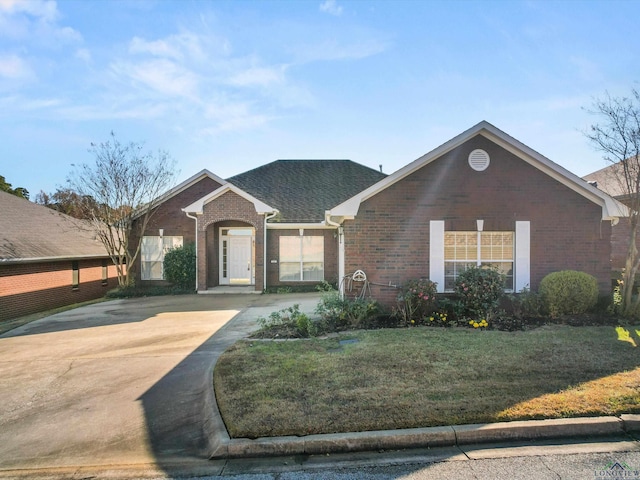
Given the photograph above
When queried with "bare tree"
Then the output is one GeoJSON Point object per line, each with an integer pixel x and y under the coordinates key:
{"type": "Point", "coordinates": [124, 184]}
{"type": "Point", "coordinates": [618, 137]}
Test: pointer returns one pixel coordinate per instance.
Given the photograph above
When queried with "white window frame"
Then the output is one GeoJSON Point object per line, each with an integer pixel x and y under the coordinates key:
{"type": "Point", "coordinates": [302, 262]}
{"type": "Point", "coordinates": [152, 252]}
{"type": "Point", "coordinates": [478, 253]}
{"type": "Point", "coordinates": [522, 255]}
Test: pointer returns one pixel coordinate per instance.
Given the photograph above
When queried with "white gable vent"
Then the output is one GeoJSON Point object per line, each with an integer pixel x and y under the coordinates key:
{"type": "Point", "coordinates": [479, 160]}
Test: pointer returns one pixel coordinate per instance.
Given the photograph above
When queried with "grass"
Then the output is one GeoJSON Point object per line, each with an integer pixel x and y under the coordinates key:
{"type": "Point", "coordinates": [420, 377]}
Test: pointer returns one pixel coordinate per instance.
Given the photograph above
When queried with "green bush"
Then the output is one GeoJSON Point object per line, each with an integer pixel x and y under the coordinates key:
{"type": "Point", "coordinates": [569, 292]}
{"type": "Point", "coordinates": [342, 313]}
{"type": "Point", "coordinates": [416, 302]}
{"type": "Point", "coordinates": [480, 290]}
{"type": "Point", "coordinates": [289, 322]}
{"type": "Point", "coordinates": [526, 304]}
{"type": "Point", "coordinates": [180, 266]}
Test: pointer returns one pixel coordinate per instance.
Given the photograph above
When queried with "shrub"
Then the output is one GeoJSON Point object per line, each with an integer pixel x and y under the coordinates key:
{"type": "Point", "coordinates": [526, 304]}
{"type": "Point", "coordinates": [344, 313]}
{"type": "Point", "coordinates": [569, 292]}
{"type": "Point", "coordinates": [289, 322]}
{"type": "Point", "coordinates": [480, 290]}
{"type": "Point", "coordinates": [180, 266]}
{"type": "Point", "coordinates": [416, 302]}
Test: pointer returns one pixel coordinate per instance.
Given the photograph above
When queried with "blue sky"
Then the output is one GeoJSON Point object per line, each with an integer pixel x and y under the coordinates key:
{"type": "Point", "coordinates": [231, 85]}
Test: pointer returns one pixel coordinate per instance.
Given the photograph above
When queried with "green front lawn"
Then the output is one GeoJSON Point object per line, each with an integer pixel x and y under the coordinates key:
{"type": "Point", "coordinates": [421, 377]}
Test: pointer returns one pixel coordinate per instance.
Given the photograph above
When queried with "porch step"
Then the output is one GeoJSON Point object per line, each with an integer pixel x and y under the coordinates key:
{"type": "Point", "coordinates": [230, 289]}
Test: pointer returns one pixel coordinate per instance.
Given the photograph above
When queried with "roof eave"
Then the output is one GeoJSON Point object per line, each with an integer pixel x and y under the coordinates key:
{"type": "Point", "coordinates": [62, 258]}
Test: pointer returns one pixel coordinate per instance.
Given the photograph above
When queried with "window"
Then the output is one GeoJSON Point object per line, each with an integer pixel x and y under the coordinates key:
{"type": "Point", "coordinates": [75, 275]}
{"type": "Point", "coordinates": [105, 273]}
{"type": "Point", "coordinates": [465, 249]}
{"type": "Point", "coordinates": [301, 259]}
{"type": "Point", "coordinates": [152, 255]}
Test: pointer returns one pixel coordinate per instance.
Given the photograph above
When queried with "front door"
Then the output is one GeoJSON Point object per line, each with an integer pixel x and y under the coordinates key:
{"type": "Point", "coordinates": [240, 260]}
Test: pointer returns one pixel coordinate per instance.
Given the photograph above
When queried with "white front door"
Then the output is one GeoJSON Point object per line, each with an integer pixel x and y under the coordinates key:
{"type": "Point", "coordinates": [240, 260]}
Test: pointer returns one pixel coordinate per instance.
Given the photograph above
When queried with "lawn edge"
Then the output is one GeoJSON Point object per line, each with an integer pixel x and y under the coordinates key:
{"type": "Point", "coordinates": [449, 436]}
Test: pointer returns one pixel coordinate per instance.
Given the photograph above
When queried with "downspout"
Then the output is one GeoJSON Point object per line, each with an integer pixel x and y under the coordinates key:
{"type": "Point", "coordinates": [196, 219]}
{"type": "Point", "coordinates": [327, 219]}
{"type": "Point", "coordinates": [267, 216]}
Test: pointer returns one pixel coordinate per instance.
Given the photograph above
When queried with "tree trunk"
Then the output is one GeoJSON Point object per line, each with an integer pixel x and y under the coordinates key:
{"type": "Point", "coordinates": [631, 268]}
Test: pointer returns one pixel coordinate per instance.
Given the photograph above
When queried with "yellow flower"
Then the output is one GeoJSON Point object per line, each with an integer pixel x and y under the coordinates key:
{"type": "Point", "coordinates": [413, 321]}
{"type": "Point", "coordinates": [471, 322]}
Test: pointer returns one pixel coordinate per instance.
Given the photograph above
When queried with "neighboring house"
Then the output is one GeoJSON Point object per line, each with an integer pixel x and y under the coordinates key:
{"type": "Point", "coordinates": [47, 259]}
{"type": "Point", "coordinates": [611, 181]}
{"type": "Point", "coordinates": [226, 220]}
{"type": "Point", "coordinates": [480, 198]}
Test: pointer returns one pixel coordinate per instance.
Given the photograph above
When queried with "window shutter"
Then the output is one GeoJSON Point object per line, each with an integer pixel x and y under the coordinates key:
{"type": "Point", "coordinates": [523, 263]}
{"type": "Point", "coordinates": [436, 253]}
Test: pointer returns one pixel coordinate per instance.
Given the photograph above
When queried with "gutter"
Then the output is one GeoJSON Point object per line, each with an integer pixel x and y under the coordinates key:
{"type": "Point", "coordinates": [267, 217]}
{"type": "Point", "coordinates": [327, 219]}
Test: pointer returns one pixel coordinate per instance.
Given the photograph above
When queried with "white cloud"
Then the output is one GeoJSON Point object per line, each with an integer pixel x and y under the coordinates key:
{"type": "Point", "coordinates": [83, 54]}
{"type": "Point", "coordinates": [258, 76]}
{"type": "Point", "coordinates": [331, 7]}
{"type": "Point", "coordinates": [46, 10]}
{"type": "Point", "coordinates": [335, 50]}
{"type": "Point", "coordinates": [35, 22]}
{"type": "Point", "coordinates": [178, 47]}
{"type": "Point", "coordinates": [163, 76]}
{"type": "Point", "coordinates": [14, 68]}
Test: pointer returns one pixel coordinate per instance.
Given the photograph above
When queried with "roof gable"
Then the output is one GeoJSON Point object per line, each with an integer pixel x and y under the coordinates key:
{"type": "Point", "coordinates": [30, 232]}
{"type": "Point", "coordinates": [302, 190]}
{"type": "Point", "coordinates": [182, 187]}
{"type": "Point", "coordinates": [610, 208]}
{"type": "Point", "coordinates": [198, 206]}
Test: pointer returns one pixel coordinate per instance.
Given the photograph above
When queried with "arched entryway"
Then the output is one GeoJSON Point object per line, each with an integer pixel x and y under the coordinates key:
{"type": "Point", "coordinates": [231, 253]}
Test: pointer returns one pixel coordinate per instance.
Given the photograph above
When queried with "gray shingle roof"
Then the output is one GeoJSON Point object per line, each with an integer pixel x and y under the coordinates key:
{"type": "Point", "coordinates": [29, 231]}
{"type": "Point", "coordinates": [303, 189]}
{"type": "Point", "coordinates": [610, 180]}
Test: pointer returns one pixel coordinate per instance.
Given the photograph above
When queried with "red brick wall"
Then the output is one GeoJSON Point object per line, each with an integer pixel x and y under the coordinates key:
{"type": "Point", "coordinates": [273, 253]}
{"type": "Point", "coordinates": [229, 207]}
{"type": "Point", "coordinates": [389, 239]}
{"type": "Point", "coordinates": [35, 287]}
{"type": "Point", "coordinates": [170, 217]}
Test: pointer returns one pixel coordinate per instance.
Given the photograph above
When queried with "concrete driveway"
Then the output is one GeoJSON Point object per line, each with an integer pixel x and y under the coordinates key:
{"type": "Point", "coordinates": [120, 382]}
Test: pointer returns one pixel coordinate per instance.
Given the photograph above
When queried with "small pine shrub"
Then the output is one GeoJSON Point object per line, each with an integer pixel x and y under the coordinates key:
{"type": "Point", "coordinates": [180, 266]}
{"type": "Point", "coordinates": [569, 292]}
{"type": "Point", "coordinates": [480, 290]}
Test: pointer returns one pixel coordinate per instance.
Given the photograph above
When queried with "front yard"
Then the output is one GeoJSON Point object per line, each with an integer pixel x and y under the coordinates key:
{"type": "Point", "coordinates": [420, 377]}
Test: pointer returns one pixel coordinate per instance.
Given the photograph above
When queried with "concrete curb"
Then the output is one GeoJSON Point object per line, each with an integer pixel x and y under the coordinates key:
{"type": "Point", "coordinates": [425, 437]}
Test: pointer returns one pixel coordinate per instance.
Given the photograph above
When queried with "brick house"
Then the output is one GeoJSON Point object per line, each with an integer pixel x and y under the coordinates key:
{"type": "Point", "coordinates": [611, 181]}
{"type": "Point", "coordinates": [47, 259]}
{"type": "Point", "coordinates": [480, 198]}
